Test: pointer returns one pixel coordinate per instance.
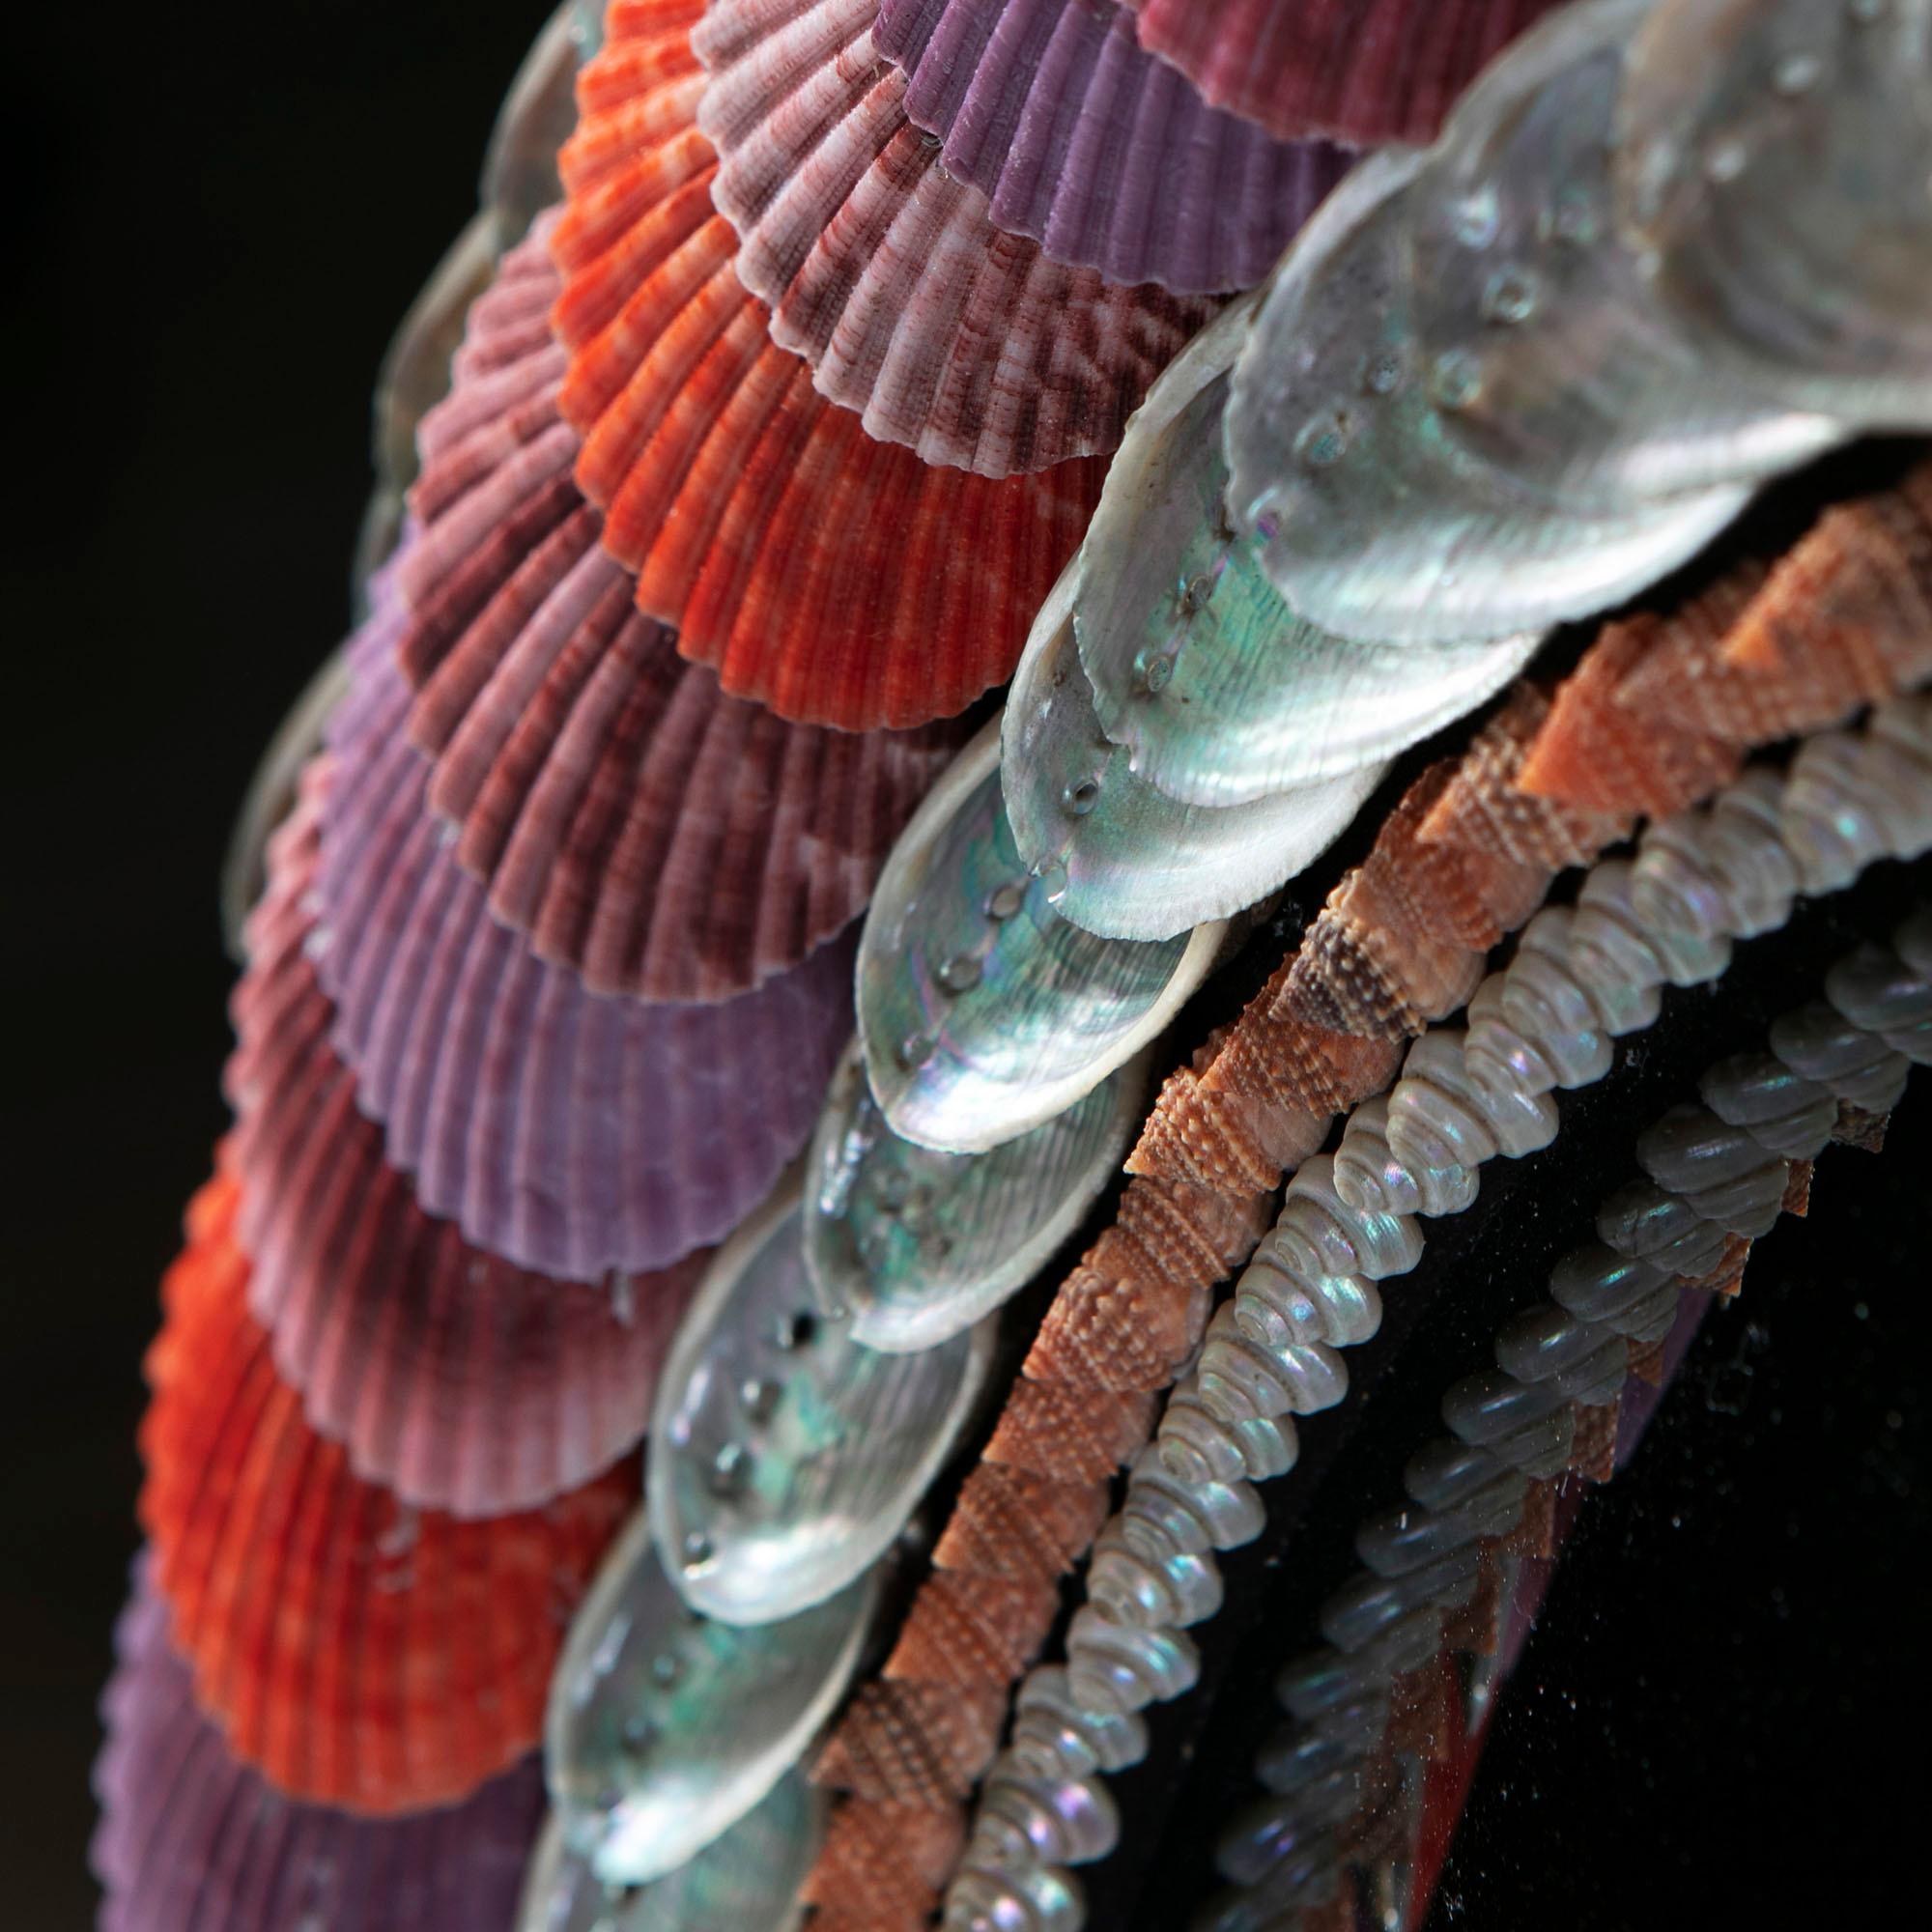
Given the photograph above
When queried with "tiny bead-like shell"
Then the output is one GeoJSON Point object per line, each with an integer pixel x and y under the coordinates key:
{"type": "Point", "coordinates": [1500, 1056]}
{"type": "Point", "coordinates": [1358, 1613]}
{"type": "Point", "coordinates": [1066, 1821]}
{"type": "Point", "coordinates": [1182, 1590]}
{"type": "Point", "coordinates": [1398, 1540]}
{"type": "Point", "coordinates": [1317, 1233]}
{"type": "Point", "coordinates": [1274, 1308]}
{"type": "Point", "coordinates": [1877, 990]}
{"type": "Point", "coordinates": [1368, 1174]}
{"type": "Point", "coordinates": [1598, 1284]}
{"type": "Point", "coordinates": [1644, 1220]}
{"type": "Point", "coordinates": [1112, 1740]}
{"type": "Point", "coordinates": [1445, 1473]}
{"type": "Point", "coordinates": [1106, 1660]}
{"type": "Point", "coordinates": [1200, 1445]}
{"type": "Point", "coordinates": [1211, 1515]}
{"type": "Point", "coordinates": [1623, 1003]}
{"type": "Point", "coordinates": [1294, 1758]}
{"type": "Point", "coordinates": [1515, 1121]}
{"type": "Point", "coordinates": [1779, 1109]}
{"type": "Point", "coordinates": [1818, 1041]}
{"type": "Point", "coordinates": [1548, 1007]}
{"type": "Point", "coordinates": [1527, 1424]}
{"type": "Point", "coordinates": [1610, 959]}
{"type": "Point", "coordinates": [1690, 1148]}
{"type": "Point", "coordinates": [1239, 1376]}
{"type": "Point", "coordinates": [1029, 1898]}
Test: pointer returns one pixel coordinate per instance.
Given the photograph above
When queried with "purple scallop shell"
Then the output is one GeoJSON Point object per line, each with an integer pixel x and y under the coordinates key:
{"type": "Point", "coordinates": [570, 1132]}
{"type": "Point", "coordinates": [1099, 151]}
{"type": "Point", "coordinates": [190, 1840]}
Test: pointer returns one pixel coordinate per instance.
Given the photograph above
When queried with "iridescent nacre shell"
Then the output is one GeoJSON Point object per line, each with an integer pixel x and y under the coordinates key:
{"type": "Point", "coordinates": [983, 1011]}
{"type": "Point", "coordinates": [1373, 523]}
{"type": "Point", "coordinates": [746, 1880]}
{"type": "Point", "coordinates": [1772, 160]}
{"type": "Point", "coordinates": [915, 1244]}
{"type": "Point", "coordinates": [1140, 865]}
{"type": "Point", "coordinates": [786, 1455]}
{"type": "Point", "coordinates": [666, 1728]}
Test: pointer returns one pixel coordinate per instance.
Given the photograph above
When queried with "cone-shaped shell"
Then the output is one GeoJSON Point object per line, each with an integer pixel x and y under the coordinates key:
{"type": "Point", "coordinates": [886, 272]}
{"type": "Point", "coordinates": [1773, 163]}
{"type": "Point", "coordinates": [641, 826]}
{"type": "Point", "coordinates": [1139, 864]}
{"type": "Point", "coordinates": [1217, 691]}
{"type": "Point", "coordinates": [453, 1377]}
{"type": "Point", "coordinates": [357, 1652]}
{"type": "Point", "coordinates": [1372, 523]}
{"type": "Point", "coordinates": [1102, 153]}
{"type": "Point", "coordinates": [786, 1455]}
{"type": "Point", "coordinates": [917, 1245]}
{"type": "Point", "coordinates": [745, 1881]}
{"type": "Point", "coordinates": [1364, 71]}
{"type": "Point", "coordinates": [568, 1132]}
{"type": "Point", "coordinates": [833, 578]}
{"type": "Point", "coordinates": [193, 1840]}
{"type": "Point", "coordinates": [981, 1011]}
{"type": "Point", "coordinates": [664, 1728]}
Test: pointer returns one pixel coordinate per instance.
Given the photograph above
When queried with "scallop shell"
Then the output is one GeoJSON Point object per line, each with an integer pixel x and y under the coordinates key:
{"type": "Point", "coordinates": [886, 272]}
{"type": "Point", "coordinates": [1773, 160]}
{"type": "Point", "coordinates": [1372, 523]}
{"type": "Point", "coordinates": [1138, 864]}
{"type": "Point", "coordinates": [193, 1840]}
{"type": "Point", "coordinates": [981, 1011]}
{"type": "Point", "coordinates": [568, 1132]}
{"type": "Point", "coordinates": [1219, 693]}
{"type": "Point", "coordinates": [356, 1652]}
{"type": "Point", "coordinates": [1582, 388]}
{"type": "Point", "coordinates": [917, 1245]}
{"type": "Point", "coordinates": [839, 579]}
{"type": "Point", "coordinates": [1101, 153]}
{"type": "Point", "coordinates": [642, 827]}
{"type": "Point", "coordinates": [666, 1728]}
{"type": "Point", "coordinates": [1364, 71]}
{"type": "Point", "coordinates": [745, 1881]}
{"type": "Point", "coordinates": [786, 1454]}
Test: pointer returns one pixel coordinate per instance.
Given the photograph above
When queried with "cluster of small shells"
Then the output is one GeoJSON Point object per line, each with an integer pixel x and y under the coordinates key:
{"type": "Point", "coordinates": [1580, 978]}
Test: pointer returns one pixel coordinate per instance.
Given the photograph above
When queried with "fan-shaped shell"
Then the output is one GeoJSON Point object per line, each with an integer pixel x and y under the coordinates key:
{"type": "Point", "coordinates": [836, 578]}
{"type": "Point", "coordinates": [786, 1454]}
{"type": "Point", "coordinates": [1360, 69]}
{"type": "Point", "coordinates": [452, 1376]}
{"type": "Point", "coordinates": [1137, 864]}
{"type": "Point", "coordinates": [193, 1840]}
{"type": "Point", "coordinates": [567, 1132]}
{"type": "Point", "coordinates": [1373, 524]}
{"type": "Point", "coordinates": [917, 1245]}
{"type": "Point", "coordinates": [982, 1012]}
{"type": "Point", "coordinates": [1103, 154]}
{"type": "Point", "coordinates": [660, 838]}
{"type": "Point", "coordinates": [357, 1652]}
{"type": "Point", "coordinates": [886, 272]}
{"type": "Point", "coordinates": [664, 1728]}
{"type": "Point", "coordinates": [1772, 162]}
{"type": "Point", "coordinates": [746, 1880]}
{"type": "Point", "coordinates": [1217, 691]}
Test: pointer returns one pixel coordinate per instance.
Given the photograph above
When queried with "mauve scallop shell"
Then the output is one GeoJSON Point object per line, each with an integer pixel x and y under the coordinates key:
{"type": "Point", "coordinates": [193, 1840]}
{"type": "Point", "coordinates": [839, 579]}
{"type": "Point", "coordinates": [459, 1380]}
{"type": "Point", "coordinates": [889, 275]}
{"type": "Point", "coordinates": [1364, 71]}
{"type": "Point", "coordinates": [568, 1132]}
{"type": "Point", "coordinates": [1103, 154]}
{"type": "Point", "coordinates": [662, 838]}
{"type": "Point", "coordinates": [356, 1652]}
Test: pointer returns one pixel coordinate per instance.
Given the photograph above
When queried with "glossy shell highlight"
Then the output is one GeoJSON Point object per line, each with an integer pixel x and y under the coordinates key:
{"type": "Point", "coordinates": [1102, 153]}
{"type": "Point", "coordinates": [886, 272]}
{"type": "Point", "coordinates": [786, 1456]}
{"type": "Point", "coordinates": [664, 1728]}
{"type": "Point", "coordinates": [357, 1652]}
{"type": "Point", "coordinates": [982, 1012]}
{"type": "Point", "coordinates": [193, 1840]}
{"type": "Point", "coordinates": [838, 580]}
{"type": "Point", "coordinates": [915, 1244]}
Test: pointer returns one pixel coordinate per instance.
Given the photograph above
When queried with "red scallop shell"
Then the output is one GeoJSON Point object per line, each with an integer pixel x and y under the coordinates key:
{"type": "Point", "coordinates": [648, 832]}
{"type": "Point", "coordinates": [357, 1652]}
{"type": "Point", "coordinates": [1363, 70]}
{"type": "Point", "coordinates": [839, 579]}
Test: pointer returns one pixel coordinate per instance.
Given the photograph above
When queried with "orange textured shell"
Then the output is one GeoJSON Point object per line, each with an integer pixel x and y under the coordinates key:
{"type": "Point", "coordinates": [839, 579]}
{"type": "Point", "coordinates": [359, 1652]}
{"type": "Point", "coordinates": [969, 345]}
{"type": "Point", "coordinates": [1226, 1129]}
{"type": "Point", "coordinates": [658, 837]}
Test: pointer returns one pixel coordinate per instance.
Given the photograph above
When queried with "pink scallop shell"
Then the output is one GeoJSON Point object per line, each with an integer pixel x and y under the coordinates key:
{"type": "Point", "coordinates": [890, 276]}
{"type": "Point", "coordinates": [1102, 153]}
{"type": "Point", "coordinates": [193, 1840]}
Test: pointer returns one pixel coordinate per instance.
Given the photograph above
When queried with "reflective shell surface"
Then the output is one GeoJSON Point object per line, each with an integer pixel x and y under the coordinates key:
{"type": "Point", "coordinates": [786, 1455]}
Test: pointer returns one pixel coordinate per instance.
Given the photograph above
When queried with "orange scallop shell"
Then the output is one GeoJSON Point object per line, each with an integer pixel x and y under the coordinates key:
{"type": "Point", "coordinates": [355, 1651]}
{"type": "Point", "coordinates": [839, 579]}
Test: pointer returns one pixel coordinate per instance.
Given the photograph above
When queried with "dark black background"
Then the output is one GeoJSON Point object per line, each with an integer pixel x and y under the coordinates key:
{"type": "Point", "coordinates": [216, 215]}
